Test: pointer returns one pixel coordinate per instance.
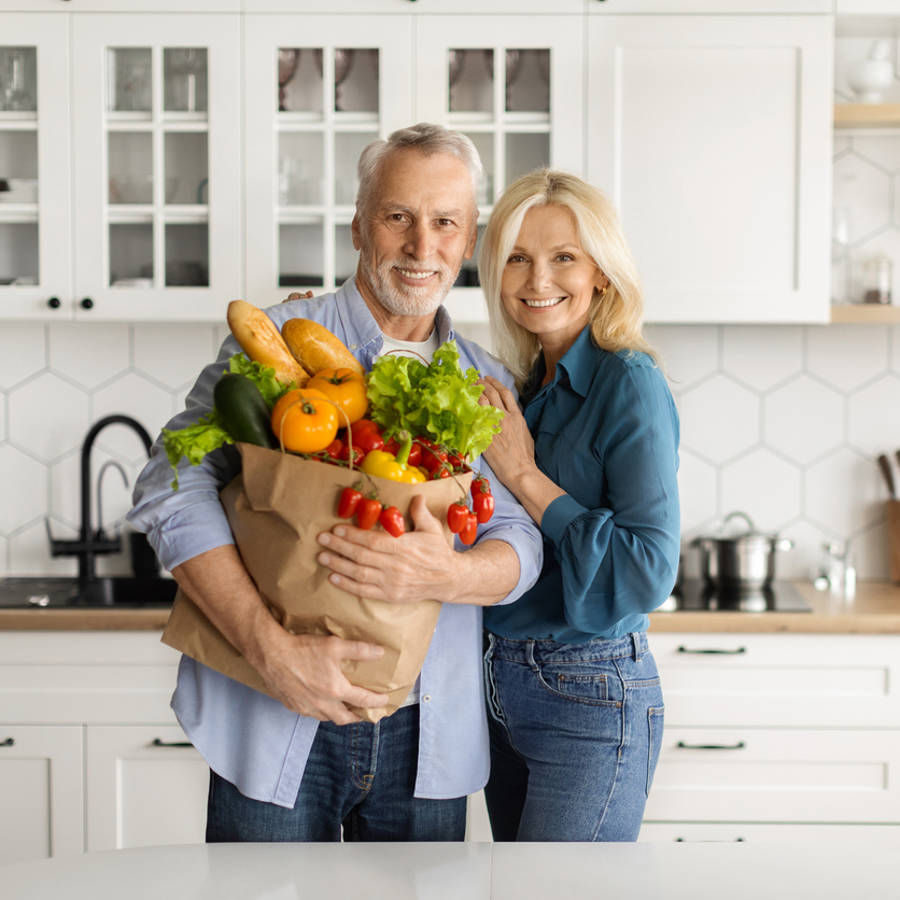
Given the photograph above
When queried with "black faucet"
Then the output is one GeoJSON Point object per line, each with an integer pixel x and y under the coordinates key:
{"type": "Point", "coordinates": [92, 543]}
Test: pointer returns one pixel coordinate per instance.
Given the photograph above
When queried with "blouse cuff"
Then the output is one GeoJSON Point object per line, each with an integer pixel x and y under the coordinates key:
{"type": "Point", "coordinates": [559, 515]}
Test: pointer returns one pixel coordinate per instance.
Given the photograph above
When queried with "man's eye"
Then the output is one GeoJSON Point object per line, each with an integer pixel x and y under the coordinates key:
{"type": "Point", "coordinates": [446, 223]}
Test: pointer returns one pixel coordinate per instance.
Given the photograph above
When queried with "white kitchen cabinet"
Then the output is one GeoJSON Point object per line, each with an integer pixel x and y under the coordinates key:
{"type": "Point", "coordinates": [41, 785]}
{"type": "Point", "coordinates": [137, 123]}
{"type": "Point", "coordinates": [729, 7]}
{"type": "Point", "coordinates": [146, 786]}
{"type": "Point", "coordinates": [111, 771]}
{"type": "Point", "coordinates": [774, 730]}
{"type": "Point", "coordinates": [862, 836]}
{"type": "Point", "coordinates": [712, 135]}
{"type": "Point", "coordinates": [35, 160]}
{"type": "Point", "coordinates": [318, 89]}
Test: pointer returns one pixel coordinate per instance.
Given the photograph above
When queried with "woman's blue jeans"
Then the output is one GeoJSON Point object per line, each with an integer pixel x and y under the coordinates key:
{"type": "Point", "coordinates": [576, 731]}
{"type": "Point", "coordinates": [359, 781]}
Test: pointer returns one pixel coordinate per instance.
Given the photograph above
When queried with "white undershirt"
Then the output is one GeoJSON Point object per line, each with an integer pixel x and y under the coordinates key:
{"type": "Point", "coordinates": [423, 351]}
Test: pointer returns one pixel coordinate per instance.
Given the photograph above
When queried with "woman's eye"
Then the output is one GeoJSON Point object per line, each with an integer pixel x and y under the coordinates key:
{"type": "Point", "coordinates": [516, 258]}
{"type": "Point", "coordinates": [565, 257]}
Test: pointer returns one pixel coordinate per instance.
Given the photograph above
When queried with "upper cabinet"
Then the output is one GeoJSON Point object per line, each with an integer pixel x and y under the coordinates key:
{"type": "Point", "coordinates": [712, 136]}
{"type": "Point", "coordinates": [138, 217]}
{"type": "Point", "coordinates": [772, 7]}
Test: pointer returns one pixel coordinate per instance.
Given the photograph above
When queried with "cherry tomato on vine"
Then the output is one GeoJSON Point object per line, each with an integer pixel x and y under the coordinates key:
{"type": "Point", "coordinates": [366, 435]}
{"type": "Point", "coordinates": [367, 512]}
{"type": "Point", "coordinates": [348, 502]}
{"type": "Point", "coordinates": [391, 520]}
{"type": "Point", "coordinates": [467, 535]}
{"type": "Point", "coordinates": [456, 516]}
{"type": "Point", "coordinates": [335, 448]}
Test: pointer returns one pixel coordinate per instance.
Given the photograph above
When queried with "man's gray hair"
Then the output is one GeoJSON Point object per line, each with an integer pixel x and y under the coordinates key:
{"type": "Point", "coordinates": [425, 138]}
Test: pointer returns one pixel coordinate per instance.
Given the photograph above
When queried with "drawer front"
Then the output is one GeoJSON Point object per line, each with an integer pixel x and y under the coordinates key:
{"type": "Point", "coordinates": [828, 681]}
{"type": "Point", "coordinates": [884, 836]}
{"type": "Point", "coordinates": [768, 775]}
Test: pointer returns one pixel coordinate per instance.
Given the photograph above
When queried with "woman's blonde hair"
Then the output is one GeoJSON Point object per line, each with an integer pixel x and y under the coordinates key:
{"type": "Point", "coordinates": [614, 316]}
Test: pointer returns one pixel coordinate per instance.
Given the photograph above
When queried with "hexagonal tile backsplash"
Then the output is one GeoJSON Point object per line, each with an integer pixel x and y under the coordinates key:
{"type": "Point", "coordinates": [779, 421]}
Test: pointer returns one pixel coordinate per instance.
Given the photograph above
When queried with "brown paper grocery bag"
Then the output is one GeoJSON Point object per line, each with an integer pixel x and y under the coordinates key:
{"type": "Point", "coordinates": [276, 508]}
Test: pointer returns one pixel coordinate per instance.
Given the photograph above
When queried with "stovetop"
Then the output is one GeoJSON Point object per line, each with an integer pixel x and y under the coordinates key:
{"type": "Point", "coordinates": [696, 594]}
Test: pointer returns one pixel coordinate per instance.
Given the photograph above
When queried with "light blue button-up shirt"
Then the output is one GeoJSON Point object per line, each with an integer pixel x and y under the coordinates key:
{"type": "Point", "coordinates": [252, 740]}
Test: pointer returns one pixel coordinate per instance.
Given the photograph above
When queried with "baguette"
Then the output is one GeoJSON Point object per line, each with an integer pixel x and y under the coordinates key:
{"type": "Point", "coordinates": [260, 340]}
{"type": "Point", "coordinates": [316, 348]}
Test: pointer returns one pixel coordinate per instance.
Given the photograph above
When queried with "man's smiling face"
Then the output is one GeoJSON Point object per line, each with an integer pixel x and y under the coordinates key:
{"type": "Point", "coordinates": [417, 230]}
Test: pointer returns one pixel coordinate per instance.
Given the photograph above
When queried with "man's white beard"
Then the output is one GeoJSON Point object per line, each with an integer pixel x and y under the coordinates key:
{"type": "Point", "coordinates": [409, 301]}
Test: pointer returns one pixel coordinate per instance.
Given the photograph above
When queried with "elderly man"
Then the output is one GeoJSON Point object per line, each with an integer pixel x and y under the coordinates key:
{"type": "Point", "coordinates": [303, 767]}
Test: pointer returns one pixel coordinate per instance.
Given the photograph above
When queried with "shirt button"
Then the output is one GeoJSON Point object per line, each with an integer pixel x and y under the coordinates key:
{"type": "Point", "coordinates": [426, 698]}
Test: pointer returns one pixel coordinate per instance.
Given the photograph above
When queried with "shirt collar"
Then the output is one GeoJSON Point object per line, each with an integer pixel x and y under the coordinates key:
{"type": "Point", "coordinates": [360, 328]}
{"type": "Point", "coordinates": [578, 362]}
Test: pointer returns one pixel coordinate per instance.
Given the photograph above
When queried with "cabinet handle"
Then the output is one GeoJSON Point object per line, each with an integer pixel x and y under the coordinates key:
{"type": "Point", "coordinates": [681, 745]}
{"type": "Point", "coordinates": [737, 650]}
{"type": "Point", "coordinates": [9, 742]}
{"type": "Point", "coordinates": [683, 840]}
{"type": "Point", "coordinates": [54, 303]}
{"type": "Point", "coordinates": [87, 303]}
{"type": "Point", "coordinates": [159, 742]}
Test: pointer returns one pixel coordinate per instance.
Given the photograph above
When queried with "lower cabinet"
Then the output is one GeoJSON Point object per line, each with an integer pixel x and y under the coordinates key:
{"type": "Point", "coordinates": [146, 786]}
{"type": "Point", "coordinates": [777, 736]}
{"type": "Point", "coordinates": [41, 786]}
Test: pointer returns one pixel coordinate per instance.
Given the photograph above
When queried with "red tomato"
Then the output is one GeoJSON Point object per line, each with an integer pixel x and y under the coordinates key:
{"type": "Point", "coordinates": [366, 435]}
{"type": "Point", "coordinates": [483, 504]}
{"type": "Point", "coordinates": [348, 502]}
{"type": "Point", "coordinates": [391, 520]}
{"type": "Point", "coordinates": [367, 512]}
{"type": "Point", "coordinates": [469, 530]}
{"type": "Point", "coordinates": [456, 516]}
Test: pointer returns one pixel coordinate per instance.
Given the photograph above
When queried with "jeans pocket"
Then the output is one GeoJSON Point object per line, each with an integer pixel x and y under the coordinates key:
{"type": "Point", "coordinates": [581, 687]}
{"type": "Point", "coordinates": [655, 724]}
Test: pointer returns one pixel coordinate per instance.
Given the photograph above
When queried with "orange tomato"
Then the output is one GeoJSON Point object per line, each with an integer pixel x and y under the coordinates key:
{"type": "Point", "coordinates": [305, 420]}
{"type": "Point", "coordinates": [346, 388]}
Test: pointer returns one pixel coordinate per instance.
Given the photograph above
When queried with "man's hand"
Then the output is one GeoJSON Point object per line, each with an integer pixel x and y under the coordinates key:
{"type": "Point", "coordinates": [418, 565]}
{"type": "Point", "coordinates": [303, 671]}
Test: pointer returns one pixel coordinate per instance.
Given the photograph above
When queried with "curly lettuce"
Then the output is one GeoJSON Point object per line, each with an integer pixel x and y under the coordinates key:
{"type": "Point", "coordinates": [438, 401]}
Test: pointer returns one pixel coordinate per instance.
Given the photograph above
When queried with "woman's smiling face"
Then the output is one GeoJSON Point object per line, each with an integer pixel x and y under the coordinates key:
{"type": "Point", "coordinates": [549, 279]}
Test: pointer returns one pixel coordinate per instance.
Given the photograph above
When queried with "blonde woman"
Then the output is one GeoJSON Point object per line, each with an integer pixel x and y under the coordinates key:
{"type": "Point", "coordinates": [575, 706]}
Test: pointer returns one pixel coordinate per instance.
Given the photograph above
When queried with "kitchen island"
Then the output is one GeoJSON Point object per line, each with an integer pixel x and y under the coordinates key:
{"type": "Point", "coordinates": [474, 871]}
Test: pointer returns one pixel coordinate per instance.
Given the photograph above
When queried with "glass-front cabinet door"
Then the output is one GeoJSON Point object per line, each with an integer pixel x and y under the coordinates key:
{"type": "Point", "coordinates": [318, 89]}
{"type": "Point", "coordinates": [157, 166]}
{"type": "Point", "coordinates": [513, 85]}
{"type": "Point", "coordinates": [34, 166]}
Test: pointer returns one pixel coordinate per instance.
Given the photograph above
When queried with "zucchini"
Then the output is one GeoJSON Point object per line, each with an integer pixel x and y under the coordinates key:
{"type": "Point", "coordinates": [245, 414]}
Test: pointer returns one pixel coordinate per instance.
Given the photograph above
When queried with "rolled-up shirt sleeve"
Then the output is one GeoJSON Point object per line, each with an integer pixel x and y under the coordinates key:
{"type": "Point", "coordinates": [183, 523]}
{"type": "Point", "coordinates": [622, 558]}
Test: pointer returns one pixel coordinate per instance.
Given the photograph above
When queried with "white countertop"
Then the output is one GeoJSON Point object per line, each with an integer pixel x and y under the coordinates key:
{"type": "Point", "coordinates": [649, 871]}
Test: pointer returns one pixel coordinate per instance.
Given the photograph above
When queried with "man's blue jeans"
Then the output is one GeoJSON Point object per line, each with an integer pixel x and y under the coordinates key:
{"type": "Point", "coordinates": [360, 777]}
{"type": "Point", "coordinates": [576, 731]}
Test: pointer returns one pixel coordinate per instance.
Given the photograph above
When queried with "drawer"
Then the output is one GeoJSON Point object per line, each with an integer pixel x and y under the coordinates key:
{"type": "Point", "coordinates": [776, 775]}
{"type": "Point", "coordinates": [827, 681]}
{"type": "Point", "coordinates": [882, 836]}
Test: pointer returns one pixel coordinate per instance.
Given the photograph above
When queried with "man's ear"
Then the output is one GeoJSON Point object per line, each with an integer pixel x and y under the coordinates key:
{"type": "Point", "coordinates": [354, 232]}
{"type": "Point", "coordinates": [473, 238]}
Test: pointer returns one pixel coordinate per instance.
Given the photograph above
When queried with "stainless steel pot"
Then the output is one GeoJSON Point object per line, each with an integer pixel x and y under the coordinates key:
{"type": "Point", "coordinates": [743, 560]}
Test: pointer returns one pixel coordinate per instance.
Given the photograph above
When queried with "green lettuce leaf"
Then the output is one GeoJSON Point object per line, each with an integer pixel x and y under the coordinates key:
{"type": "Point", "coordinates": [438, 401]}
{"type": "Point", "coordinates": [194, 441]}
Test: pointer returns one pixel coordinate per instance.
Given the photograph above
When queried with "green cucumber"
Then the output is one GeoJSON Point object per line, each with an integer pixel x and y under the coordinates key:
{"type": "Point", "coordinates": [245, 414]}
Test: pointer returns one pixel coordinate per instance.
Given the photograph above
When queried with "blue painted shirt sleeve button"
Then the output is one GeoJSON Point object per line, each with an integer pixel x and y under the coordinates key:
{"type": "Point", "coordinates": [426, 698]}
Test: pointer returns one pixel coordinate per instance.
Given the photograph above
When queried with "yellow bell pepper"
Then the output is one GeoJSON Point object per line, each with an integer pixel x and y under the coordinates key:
{"type": "Point", "coordinates": [394, 468]}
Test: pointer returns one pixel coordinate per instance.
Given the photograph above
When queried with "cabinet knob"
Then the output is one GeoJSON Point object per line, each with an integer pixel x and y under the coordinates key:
{"type": "Point", "coordinates": [9, 742]}
{"type": "Point", "coordinates": [54, 303]}
{"type": "Point", "coordinates": [87, 303]}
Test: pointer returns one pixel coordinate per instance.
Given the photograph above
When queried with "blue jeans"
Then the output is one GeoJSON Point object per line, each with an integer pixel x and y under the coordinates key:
{"type": "Point", "coordinates": [576, 731]}
{"type": "Point", "coordinates": [359, 778]}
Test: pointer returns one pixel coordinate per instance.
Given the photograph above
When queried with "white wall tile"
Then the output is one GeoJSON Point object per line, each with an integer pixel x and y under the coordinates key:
{"type": "Point", "coordinates": [762, 356]}
{"type": "Point", "coordinates": [874, 416]}
{"type": "Point", "coordinates": [697, 492]}
{"type": "Point", "coordinates": [172, 356]}
{"type": "Point", "coordinates": [47, 416]}
{"type": "Point", "coordinates": [720, 419]}
{"type": "Point", "coordinates": [847, 356]}
{"type": "Point", "coordinates": [803, 419]}
{"type": "Point", "coordinates": [23, 487]}
{"type": "Point", "coordinates": [763, 486]}
{"type": "Point", "coordinates": [844, 493]}
{"type": "Point", "coordinates": [688, 353]}
{"type": "Point", "coordinates": [89, 354]}
{"type": "Point", "coordinates": [23, 352]}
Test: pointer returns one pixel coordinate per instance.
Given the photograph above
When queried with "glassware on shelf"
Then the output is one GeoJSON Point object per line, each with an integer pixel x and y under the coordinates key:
{"type": "Point", "coordinates": [343, 62]}
{"type": "Point", "coordinates": [878, 275]}
{"type": "Point", "coordinates": [130, 70]}
{"type": "Point", "coordinates": [470, 79]}
{"type": "Point", "coordinates": [840, 255]}
{"type": "Point", "coordinates": [18, 79]}
{"type": "Point", "coordinates": [185, 79]}
{"type": "Point", "coordinates": [288, 61]}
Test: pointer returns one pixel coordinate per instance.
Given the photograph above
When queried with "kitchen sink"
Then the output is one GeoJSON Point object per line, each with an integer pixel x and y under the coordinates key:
{"type": "Point", "coordinates": [67, 593]}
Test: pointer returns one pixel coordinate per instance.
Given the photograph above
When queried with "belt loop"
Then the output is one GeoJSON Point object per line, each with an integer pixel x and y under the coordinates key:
{"type": "Point", "coordinates": [529, 654]}
{"type": "Point", "coordinates": [636, 644]}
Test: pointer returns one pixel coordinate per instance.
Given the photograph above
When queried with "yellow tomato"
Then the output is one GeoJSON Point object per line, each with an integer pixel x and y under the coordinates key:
{"type": "Point", "coordinates": [346, 388]}
{"type": "Point", "coordinates": [305, 420]}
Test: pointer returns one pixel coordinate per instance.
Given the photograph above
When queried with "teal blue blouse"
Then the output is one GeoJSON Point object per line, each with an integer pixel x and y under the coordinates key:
{"type": "Point", "coordinates": [606, 431]}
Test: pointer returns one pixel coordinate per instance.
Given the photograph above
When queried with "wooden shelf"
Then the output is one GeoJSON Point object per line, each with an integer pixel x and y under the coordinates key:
{"type": "Point", "coordinates": [867, 314]}
{"type": "Point", "coordinates": [867, 115]}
